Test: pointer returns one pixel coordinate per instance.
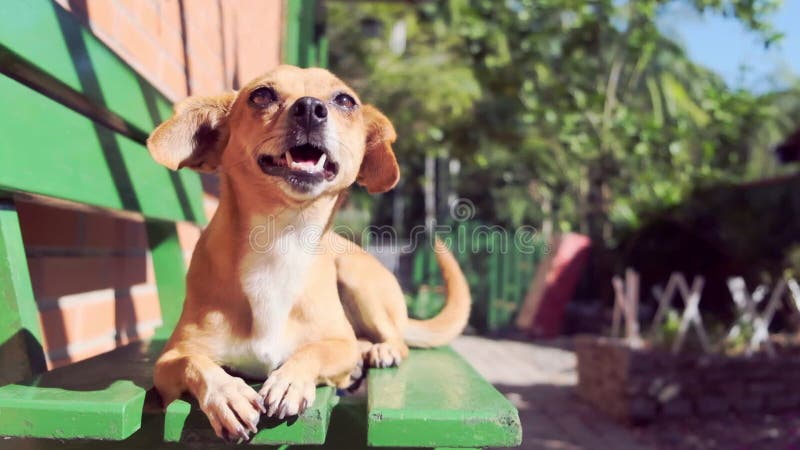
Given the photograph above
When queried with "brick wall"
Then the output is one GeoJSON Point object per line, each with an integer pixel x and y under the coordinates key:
{"type": "Point", "coordinates": [92, 274]}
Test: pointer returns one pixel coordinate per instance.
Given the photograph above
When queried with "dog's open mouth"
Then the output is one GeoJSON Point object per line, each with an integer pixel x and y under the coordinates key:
{"type": "Point", "coordinates": [304, 164]}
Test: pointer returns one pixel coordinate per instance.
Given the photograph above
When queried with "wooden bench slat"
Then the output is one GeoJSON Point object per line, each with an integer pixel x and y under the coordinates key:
{"type": "Point", "coordinates": [185, 422]}
{"type": "Point", "coordinates": [50, 150]}
{"type": "Point", "coordinates": [111, 413]}
{"type": "Point", "coordinates": [436, 399]}
{"type": "Point", "coordinates": [46, 37]}
{"type": "Point", "coordinates": [170, 272]}
{"type": "Point", "coordinates": [98, 398]}
{"type": "Point", "coordinates": [21, 341]}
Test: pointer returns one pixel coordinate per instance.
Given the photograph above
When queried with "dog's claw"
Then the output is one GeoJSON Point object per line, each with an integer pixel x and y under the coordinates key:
{"type": "Point", "coordinates": [282, 412]}
{"type": "Point", "coordinates": [303, 407]}
{"type": "Point", "coordinates": [236, 438]}
{"type": "Point", "coordinates": [253, 427]}
{"type": "Point", "coordinates": [273, 407]}
{"type": "Point", "coordinates": [259, 405]}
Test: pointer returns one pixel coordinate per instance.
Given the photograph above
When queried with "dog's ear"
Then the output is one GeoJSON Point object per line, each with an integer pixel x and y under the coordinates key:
{"type": "Point", "coordinates": [379, 171]}
{"type": "Point", "coordinates": [195, 136]}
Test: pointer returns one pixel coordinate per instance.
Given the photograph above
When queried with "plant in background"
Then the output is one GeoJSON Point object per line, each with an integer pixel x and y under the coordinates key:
{"type": "Point", "coordinates": [589, 99]}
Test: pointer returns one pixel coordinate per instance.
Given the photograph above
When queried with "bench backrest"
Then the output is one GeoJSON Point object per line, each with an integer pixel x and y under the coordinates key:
{"type": "Point", "coordinates": [72, 129]}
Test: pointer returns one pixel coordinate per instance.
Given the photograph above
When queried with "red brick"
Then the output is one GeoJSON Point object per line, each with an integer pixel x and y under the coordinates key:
{"type": "Point", "coordinates": [133, 233]}
{"type": "Point", "coordinates": [48, 226]}
{"type": "Point", "coordinates": [101, 231]}
{"type": "Point", "coordinates": [54, 276]}
{"type": "Point", "coordinates": [148, 34]}
{"type": "Point", "coordinates": [114, 233]}
{"type": "Point", "coordinates": [129, 271]}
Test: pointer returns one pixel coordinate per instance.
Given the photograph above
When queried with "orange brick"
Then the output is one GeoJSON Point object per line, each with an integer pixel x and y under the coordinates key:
{"type": "Point", "coordinates": [172, 44]}
{"type": "Point", "coordinates": [149, 16]}
{"type": "Point", "coordinates": [102, 14]}
{"type": "Point", "coordinates": [81, 322]}
{"type": "Point", "coordinates": [174, 79]}
{"type": "Point", "coordinates": [93, 316]}
{"type": "Point", "coordinates": [259, 33]}
{"type": "Point", "coordinates": [129, 8]}
{"type": "Point", "coordinates": [170, 15]}
{"type": "Point", "coordinates": [210, 205]}
{"type": "Point", "coordinates": [139, 47]}
{"type": "Point", "coordinates": [145, 303]}
{"type": "Point", "coordinates": [150, 271]}
{"type": "Point", "coordinates": [188, 233]}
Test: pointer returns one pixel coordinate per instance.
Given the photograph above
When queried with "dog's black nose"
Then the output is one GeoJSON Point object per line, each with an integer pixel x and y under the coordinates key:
{"type": "Point", "coordinates": [309, 112]}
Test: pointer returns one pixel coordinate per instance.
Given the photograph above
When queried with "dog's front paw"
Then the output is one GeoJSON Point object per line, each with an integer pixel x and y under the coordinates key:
{"type": "Point", "coordinates": [384, 354]}
{"type": "Point", "coordinates": [233, 409]}
{"type": "Point", "coordinates": [287, 394]}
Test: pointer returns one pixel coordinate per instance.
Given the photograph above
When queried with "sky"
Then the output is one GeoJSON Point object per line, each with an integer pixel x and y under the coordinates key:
{"type": "Point", "coordinates": [725, 46]}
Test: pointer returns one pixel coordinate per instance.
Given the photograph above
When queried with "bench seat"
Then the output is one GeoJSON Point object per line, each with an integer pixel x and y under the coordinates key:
{"type": "Point", "coordinates": [434, 399]}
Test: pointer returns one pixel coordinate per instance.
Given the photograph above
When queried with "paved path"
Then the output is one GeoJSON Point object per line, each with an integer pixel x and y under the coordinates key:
{"type": "Point", "coordinates": [539, 380]}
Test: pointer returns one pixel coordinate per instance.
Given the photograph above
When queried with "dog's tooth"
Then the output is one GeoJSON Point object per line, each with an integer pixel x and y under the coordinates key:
{"type": "Point", "coordinates": [289, 161]}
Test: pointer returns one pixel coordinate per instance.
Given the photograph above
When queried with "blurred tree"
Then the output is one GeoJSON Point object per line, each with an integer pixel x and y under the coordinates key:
{"type": "Point", "coordinates": [566, 113]}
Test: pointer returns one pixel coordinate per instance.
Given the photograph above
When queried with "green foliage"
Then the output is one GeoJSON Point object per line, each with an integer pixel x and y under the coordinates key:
{"type": "Point", "coordinates": [665, 334]}
{"type": "Point", "coordinates": [588, 99]}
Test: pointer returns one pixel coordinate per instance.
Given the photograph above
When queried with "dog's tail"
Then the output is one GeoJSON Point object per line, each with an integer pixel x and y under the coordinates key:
{"type": "Point", "coordinates": [452, 319]}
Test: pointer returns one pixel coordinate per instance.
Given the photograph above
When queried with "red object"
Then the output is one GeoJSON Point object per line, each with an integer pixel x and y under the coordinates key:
{"type": "Point", "coordinates": [545, 305]}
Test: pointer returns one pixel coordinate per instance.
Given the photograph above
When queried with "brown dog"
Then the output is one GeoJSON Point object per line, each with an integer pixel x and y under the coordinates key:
{"type": "Point", "coordinates": [271, 292]}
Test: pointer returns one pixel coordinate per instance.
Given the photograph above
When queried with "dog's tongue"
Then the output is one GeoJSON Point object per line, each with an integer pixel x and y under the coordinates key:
{"type": "Point", "coordinates": [306, 159]}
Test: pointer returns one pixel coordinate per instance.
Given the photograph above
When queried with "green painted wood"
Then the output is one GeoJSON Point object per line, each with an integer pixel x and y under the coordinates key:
{"type": "Point", "coordinates": [98, 398]}
{"type": "Point", "coordinates": [292, 37]}
{"type": "Point", "coordinates": [48, 46]}
{"type": "Point", "coordinates": [436, 399]}
{"type": "Point", "coordinates": [175, 420]}
{"type": "Point", "coordinates": [302, 47]}
{"type": "Point", "coordinates": [494, 283]}
{"type": "Point", "coordinates": [50, 150]}
{"type": "Point", "coordinates": [170, 272]}
{"type": "Point", "coordinates": [21, 352]}
{"type": "Point", "coordinates": [185, 422]}
{"type": "Point", "coordinates": [111, 413]}
{"type": "Point", "coordinates": [347, 431]}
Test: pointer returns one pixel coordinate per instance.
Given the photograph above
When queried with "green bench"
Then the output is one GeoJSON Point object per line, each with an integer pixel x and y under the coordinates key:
{"type": "Point", "coordinates": [72, 130]}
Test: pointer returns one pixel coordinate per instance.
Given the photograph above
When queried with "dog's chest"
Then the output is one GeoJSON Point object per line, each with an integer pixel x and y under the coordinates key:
{"type": "Point", "coordinates": [272, 279]}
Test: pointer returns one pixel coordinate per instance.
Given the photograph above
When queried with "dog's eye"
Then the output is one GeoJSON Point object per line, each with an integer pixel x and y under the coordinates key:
{"type": "Point", "coordinates": [263, 97]}
{"type": "Point", "coordinates": [345, 101]}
